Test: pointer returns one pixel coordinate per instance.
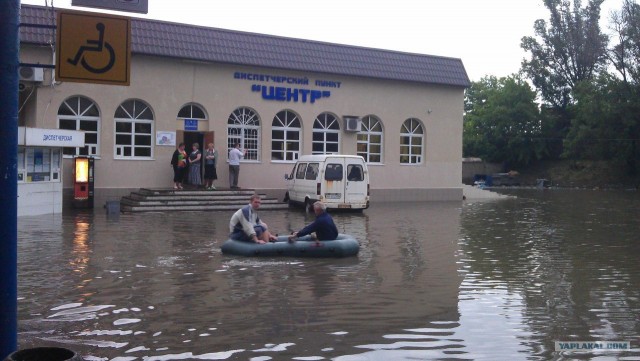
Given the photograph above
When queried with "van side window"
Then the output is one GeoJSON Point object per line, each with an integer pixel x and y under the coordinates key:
{"type": "Point", "coordinates": [333, 172]}
{"type": "Point", "coordinates": [354, 173]}
{"type": "Point", "coordinates": [302, 167]}
{"type": "Point", "coordinates": [312, 171]}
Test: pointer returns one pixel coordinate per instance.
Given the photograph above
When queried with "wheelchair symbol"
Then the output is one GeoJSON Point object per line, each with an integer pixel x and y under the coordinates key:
{"type": "Point", "coordinates": [95, 46]}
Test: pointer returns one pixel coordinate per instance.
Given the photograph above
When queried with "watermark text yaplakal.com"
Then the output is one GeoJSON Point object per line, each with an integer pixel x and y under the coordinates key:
{"type": "Point", "coordinates": [592, 346]}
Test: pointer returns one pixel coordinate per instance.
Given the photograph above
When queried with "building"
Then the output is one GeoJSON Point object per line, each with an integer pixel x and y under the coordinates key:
{"type": "Point", "coordinates": [278, 97]}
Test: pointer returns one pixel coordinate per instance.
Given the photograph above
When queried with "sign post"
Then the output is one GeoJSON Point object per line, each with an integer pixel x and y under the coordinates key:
{"type": "Point", "coordinates": [136, 6]}
{"type": "Point", "coordinates": [93, 48]}
{"type": "Point", "coordinates": [9, 59]}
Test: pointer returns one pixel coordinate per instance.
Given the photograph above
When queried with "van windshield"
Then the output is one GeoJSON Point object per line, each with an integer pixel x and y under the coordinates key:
{"type": "Point", "coordinates": [333, 172]}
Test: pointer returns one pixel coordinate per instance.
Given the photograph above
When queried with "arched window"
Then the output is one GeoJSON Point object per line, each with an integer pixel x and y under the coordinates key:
{"type": "Point", "coordinates": [411, 141]}
{"type": "Point", "coordinates": [192, 114]}
{"type": "Point", "coordinates": [243, 127]}
{"type": "Point", "coordinates": [326, 134]}
{"type": "Point", "coordinates": [80, 113]}
{"type": "Point", "coordinates": [370, 139]}
{"type": "Point", "coordinates": [285, 136]}
{"type": "Point", "coordinates": [134, 130]}
{"type": "Point", "coordinates": [192, 111]}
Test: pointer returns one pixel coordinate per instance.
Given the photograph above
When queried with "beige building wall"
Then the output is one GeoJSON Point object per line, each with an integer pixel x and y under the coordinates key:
{"type": "Point", "coordinates": [167, 84]}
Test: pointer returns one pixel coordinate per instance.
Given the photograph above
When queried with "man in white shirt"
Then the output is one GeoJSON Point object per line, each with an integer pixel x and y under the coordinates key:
{"type": "Point", "coordinates": [235, 155]}
{"type": "Point", "coordinates": [245, 225]}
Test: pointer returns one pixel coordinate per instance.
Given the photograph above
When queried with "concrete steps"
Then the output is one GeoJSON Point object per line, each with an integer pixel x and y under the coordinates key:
{"type": "Point", "coordinates": [163, 200]}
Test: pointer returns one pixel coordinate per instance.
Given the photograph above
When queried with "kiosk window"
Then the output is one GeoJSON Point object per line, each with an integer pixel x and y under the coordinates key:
{"type": "Point", "coordinates": [38, 164]}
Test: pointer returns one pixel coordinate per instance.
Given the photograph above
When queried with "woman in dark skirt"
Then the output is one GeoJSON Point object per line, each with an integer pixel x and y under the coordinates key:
{"type": "Point", "coordinates": [210, 160]}
{"type": "Point", "coordinates": [195, 177]}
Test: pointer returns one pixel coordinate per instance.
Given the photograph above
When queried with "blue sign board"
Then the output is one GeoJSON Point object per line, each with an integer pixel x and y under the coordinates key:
{"type": "Point", "coordinates": [191, 124]}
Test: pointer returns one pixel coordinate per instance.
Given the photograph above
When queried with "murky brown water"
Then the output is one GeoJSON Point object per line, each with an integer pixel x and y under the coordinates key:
{"type": "Point", "coordinates": [499, 280]}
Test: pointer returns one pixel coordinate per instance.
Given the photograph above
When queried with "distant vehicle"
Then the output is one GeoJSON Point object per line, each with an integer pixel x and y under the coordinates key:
{"type": "Point", "coordinates": [339, 181]}
{"type": "Point", "coordinates": [496, 180]}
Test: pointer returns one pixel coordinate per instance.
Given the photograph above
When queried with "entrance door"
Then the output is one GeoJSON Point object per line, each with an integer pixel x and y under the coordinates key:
{"type": "Point", "coordinates": [202, 138]}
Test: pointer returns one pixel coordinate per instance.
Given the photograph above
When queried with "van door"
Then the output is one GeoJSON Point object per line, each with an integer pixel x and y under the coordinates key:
{"type": "Point", "coordinates": [334, 181]}
{"type": "Point", "coordinates": [297, 176]}
{"type": "Point", "coordinates": [355, 189]}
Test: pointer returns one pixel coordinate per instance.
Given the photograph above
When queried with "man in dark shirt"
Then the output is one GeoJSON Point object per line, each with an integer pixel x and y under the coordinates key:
{"type": "Point", "coordinates": [323, 226]}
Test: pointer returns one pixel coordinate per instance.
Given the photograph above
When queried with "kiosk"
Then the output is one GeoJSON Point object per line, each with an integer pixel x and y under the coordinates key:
{"type": "Point", "coordinates": [40, 153]}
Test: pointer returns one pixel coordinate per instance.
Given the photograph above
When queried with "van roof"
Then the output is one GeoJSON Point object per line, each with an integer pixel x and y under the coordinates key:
{"type": "Point", "coordinates": [323, 157]}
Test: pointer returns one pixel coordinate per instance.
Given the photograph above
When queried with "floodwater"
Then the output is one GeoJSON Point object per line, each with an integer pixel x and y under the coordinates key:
{"type": "Point", "coordinates": [490, 280]}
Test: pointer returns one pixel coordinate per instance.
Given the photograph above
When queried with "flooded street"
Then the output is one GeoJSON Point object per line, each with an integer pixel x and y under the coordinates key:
{"type": "Point", "coordinates": [491, 280]}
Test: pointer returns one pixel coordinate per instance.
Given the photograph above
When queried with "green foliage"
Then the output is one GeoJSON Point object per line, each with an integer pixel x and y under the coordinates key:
{"type": "Point", "coordinates": [588, 113]}
{"type": "Point", "coordinates": [569, 49]}
{"type": "Point", "coordinates": [502, 121]}
{"type": "Point", "coordinates": [625, 53]}
{"type": "Point", "coordinates": [605, 122]}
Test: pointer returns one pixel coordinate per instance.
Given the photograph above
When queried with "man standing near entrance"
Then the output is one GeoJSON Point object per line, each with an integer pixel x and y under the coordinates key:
{"type": "Point", "coordinates": [234, 165]}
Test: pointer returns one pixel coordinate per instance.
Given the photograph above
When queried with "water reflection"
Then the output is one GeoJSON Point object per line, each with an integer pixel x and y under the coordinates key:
{"type": "Point", "coordinates": [483, 281]}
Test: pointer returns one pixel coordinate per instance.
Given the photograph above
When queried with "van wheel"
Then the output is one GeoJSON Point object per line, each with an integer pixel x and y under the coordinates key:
{"type": "Point", "coordinates": [286, 197]}
{"type": "Point", "coordinates": [308, 206]}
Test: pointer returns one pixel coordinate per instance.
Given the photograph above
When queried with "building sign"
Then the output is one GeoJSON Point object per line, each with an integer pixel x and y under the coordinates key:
{"type": "Point", "coordinates": [93, 48]}
{"type": "Point", "coordinates": [284, 93]}
{"type": "Point", "coordinates": [295, 95]}
{"type": "Point", "coordinates": [136, 6]}
{"type": "Point", "coordinates": [191, 124]}
{"type": "Point", "coordinates": [50, 137]}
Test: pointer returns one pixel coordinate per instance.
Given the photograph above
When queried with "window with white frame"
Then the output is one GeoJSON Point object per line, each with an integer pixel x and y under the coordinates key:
{"type": "Point", "coordinates": [411, 141]}
{"type": "Point", "coordinates": [192, 111]}
{"type": "Point", "coordinates": [326, 134]}
{"type": "Point", "coordinates": [133, 130]}
{"type": "Point", "coordinates": [243, 127]}
{"type": "Point", "coordinates": [81, 113]}
{"type": "Point", "coordinates": [370, 140]}
{"type": "Point", "coordinates": [285, 136]}
{"type": "Point", "coordinates": [38, 164]}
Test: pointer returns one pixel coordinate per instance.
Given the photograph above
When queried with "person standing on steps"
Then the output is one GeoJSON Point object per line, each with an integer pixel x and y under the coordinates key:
{"type": "Point", "coordinates": [235, 155]}
{"type": "Point", "coordinates": [195, 175]}
{"type": "Point", "coordinates": [210, 162]}
{"type": "Point", "coordinates": [179, 164]}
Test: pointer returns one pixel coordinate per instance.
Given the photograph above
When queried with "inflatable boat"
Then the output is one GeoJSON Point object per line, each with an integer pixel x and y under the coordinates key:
{"type": "Point", "coordinates": [344, 246]}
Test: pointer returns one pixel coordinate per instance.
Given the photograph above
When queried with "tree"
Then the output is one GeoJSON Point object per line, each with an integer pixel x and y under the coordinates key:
{"type": "Point", "coordinates": [570, 49]}
{"type": "Point", "coordinates": [501, 123]}
{"type": "Point", "coordinates": [625, 54]}
{"type": "Point", "coordinates": [605, 123]}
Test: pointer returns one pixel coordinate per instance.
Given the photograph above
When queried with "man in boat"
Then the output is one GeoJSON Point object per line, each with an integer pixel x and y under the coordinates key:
{"type": "Point", "coordinates": [245, 225]}
{"type": "Point", "coordinates": [323, 226]}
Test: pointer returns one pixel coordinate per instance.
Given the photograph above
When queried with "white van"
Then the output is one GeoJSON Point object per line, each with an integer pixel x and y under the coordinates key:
{"type": "Point", "coordinates": [339, 181]}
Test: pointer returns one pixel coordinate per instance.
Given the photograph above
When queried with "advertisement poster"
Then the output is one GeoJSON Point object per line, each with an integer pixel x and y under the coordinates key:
{"type": "Point", "coordinates": [166, 138]}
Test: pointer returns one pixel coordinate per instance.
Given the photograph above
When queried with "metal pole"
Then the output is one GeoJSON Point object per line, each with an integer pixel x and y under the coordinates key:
{"type": "Point", "coordinates": [9, 59]}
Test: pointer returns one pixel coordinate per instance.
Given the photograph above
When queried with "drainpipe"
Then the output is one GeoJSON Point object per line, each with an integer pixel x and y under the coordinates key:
{"type": "Point", "coordinates": [9, 59]}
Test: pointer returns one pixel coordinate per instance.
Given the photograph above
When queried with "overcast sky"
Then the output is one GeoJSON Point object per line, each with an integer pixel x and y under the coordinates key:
{"type": "Point", "coordinates": [485, 34]}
